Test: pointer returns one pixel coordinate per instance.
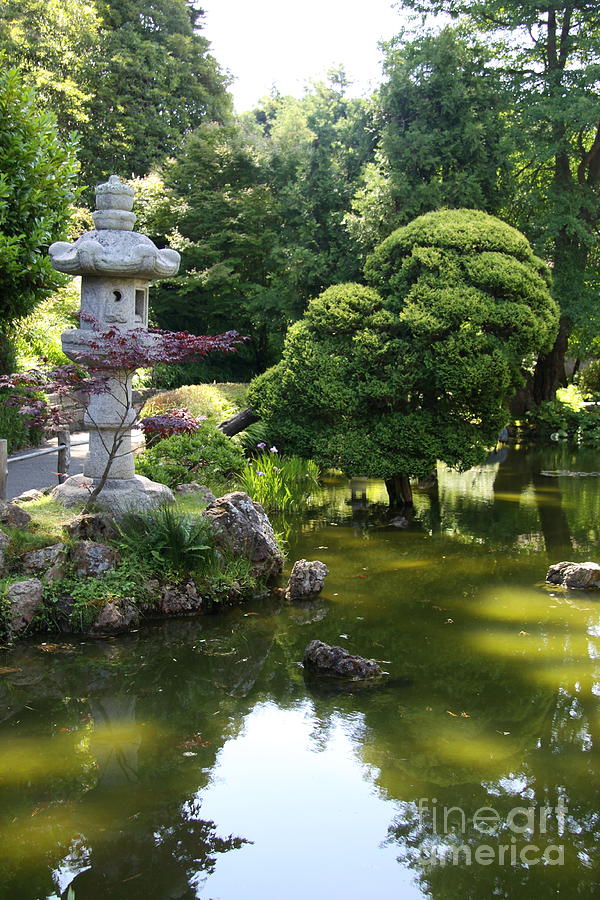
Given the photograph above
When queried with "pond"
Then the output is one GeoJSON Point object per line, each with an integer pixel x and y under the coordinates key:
{"type": "Point", "coordinates": [193, 758]}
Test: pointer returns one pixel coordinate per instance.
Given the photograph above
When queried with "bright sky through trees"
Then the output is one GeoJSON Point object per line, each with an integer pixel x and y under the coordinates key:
{"type": "Point", "coordinates": [277, 42]}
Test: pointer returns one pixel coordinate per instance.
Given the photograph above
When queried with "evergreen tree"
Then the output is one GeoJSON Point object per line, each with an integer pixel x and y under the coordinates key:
{"type": "Point", "coordinates": [548, 56]}
{"type": "Point", "coordinates": [442, 136]}
{"type": "Point", "coordinates": [155, 81]}
{"type": "Point", "coordinates": [55, 44]}
{"type": "Point", "coordinates": [227, 223]}
{"type": "Point", "coordinates": [386, 382]}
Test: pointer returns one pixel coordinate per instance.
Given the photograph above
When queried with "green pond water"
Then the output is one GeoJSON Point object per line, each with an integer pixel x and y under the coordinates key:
{"type": "Point", "coordinates": [193, 759]}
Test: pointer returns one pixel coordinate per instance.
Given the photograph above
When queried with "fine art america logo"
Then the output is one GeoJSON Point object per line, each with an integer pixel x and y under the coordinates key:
{"type": "Point", "coordinates": [521, 836]}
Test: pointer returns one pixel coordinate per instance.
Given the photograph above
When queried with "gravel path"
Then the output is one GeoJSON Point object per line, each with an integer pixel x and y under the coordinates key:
{"type": "Point", "coordinates": [41, 472]}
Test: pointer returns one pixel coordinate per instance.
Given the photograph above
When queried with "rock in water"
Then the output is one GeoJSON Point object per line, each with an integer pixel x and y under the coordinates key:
{"type": "Point", "coordinates": [574, 575]}
{"type": "Point", "coordinates": [115, 617]}
{"type": "Point", "coordinates": [323, 659]}
{"type": "Point", "coordinates": [241, 527]}
{"type": "Point", "coordinates": [306, 579]}
{"type": "Point", "coordinates": [178, 599]}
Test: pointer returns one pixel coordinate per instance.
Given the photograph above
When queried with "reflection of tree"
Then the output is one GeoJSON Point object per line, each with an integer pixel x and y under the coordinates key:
{"type": "Point", "coordinates": [519, 472]}
{"type": "Point", "coordinates": [141, 722]}
{"type": "Point", "coordinates": [465, 631]}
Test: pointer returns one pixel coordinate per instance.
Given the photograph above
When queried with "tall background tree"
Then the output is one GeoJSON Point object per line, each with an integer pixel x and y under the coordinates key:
{"type": "Point", "coordinates": [548, 57]}
{"type": "Point", "coordinates": [442, 138]}
{"type": "Point", "coordinates": [155, 81]}
{"type": "Point", "coordinates": [131, 77]}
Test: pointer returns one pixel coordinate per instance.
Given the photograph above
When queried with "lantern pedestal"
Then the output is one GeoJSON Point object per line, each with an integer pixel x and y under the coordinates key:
{"type": "Point", "coordinates": [118, 496]}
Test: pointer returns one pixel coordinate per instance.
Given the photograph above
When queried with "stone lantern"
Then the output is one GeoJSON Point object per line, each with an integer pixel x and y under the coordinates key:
{"type": "Point", "coordinates": [116, 265]}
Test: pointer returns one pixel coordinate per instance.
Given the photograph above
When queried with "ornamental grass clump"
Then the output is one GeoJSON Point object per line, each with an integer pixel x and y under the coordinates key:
{"type": "Point", "coordinates": [279, 482]}
{"type": "Point", "coordinates": [167, 540]}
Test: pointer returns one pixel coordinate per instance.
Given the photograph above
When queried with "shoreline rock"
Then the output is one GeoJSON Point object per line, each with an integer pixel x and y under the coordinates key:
{"type": "Point", "coordinates": [242, 527]}
{"type": "Point", "coordinates": [576, 576]}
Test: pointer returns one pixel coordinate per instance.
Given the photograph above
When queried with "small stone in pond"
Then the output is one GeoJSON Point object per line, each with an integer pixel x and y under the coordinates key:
{"type": "Point", "coordinates": [323, 659]}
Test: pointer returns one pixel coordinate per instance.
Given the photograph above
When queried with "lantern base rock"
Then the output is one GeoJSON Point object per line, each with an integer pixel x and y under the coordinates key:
{"type": "Point", "coordinates": [118, 496]}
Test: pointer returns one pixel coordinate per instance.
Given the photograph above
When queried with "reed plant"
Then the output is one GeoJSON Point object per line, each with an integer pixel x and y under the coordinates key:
{"type": "Point", "coordinates": [282, 483]}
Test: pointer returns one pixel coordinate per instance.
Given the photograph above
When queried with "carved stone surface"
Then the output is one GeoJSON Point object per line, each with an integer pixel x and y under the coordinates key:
{"type": "Point", "coordinates": [324, 659]}
{"type": "Point", "coordinates": [113, 248]}
{"type": "Point", "coordinates": [306, 579]}
{"type": "Point", "coordinates": [116, 264]}
{"type": "Point", "coordinates": [241, 526]}
{"type": "Point", "coordinates": [120, 495]}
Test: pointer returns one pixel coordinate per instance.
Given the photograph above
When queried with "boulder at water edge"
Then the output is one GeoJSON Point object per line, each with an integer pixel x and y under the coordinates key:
{"type": "Point", "coordinates": [23, 599]}
{"type": "Point", "coordinates": [324, 659]}
{"type": "Point", "coordinates": [241, 527]}
{"type": "Point", "coordinates": [574, 575]}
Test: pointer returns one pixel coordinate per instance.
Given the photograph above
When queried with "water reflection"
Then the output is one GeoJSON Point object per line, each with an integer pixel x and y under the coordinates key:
{"type": "Point", "coordinates": [194, 760]}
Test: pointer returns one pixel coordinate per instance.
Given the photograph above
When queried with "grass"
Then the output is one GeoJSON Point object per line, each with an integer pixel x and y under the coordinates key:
{"type": "Point", "coordinates": [217, 401]}
{"type": "Point", "coordinates": [45, 528]}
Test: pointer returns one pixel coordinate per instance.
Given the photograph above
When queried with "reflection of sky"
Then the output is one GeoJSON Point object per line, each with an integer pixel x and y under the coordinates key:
{"type": "Point", "coordinates": [311, 809]}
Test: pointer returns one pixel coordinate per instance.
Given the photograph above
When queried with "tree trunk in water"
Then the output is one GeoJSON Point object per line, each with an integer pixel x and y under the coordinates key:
{"type": "Point", "coordinates": [238, 422]}
{"type": "Point", "coordinates": [399, 491]}
{"type": "Point", "coordinates": [550, 368]}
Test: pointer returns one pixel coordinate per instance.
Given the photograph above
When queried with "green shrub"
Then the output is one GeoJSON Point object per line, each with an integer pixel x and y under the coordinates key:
{"type": "Point", "coordinates": [216, 401]}
{"type": "Point", "coordinates": [126, 582]}
{"type": "Point", "coordinates": [589, 379]}
{"type": "Point", "coordinates": [553, 417]}
{"type": "Point", "coordinates": [227, 578]}
{"type": "Point", "coordinates": [14, 428]}
{"type": "Point", "coordinates": [167, 540]}
{"type": "Point", "coordinates": [280, 483]}
{"type": "Point", "coordinates": [39, 334]}
{"type": "Point", "coordinates": [386, 380]}
{"type": "Point", "coordinates": [206, 456]}
{"type": "Point", "coordinates": [588, 430]}
{"type": "Point", "coordinates": [561, 417]}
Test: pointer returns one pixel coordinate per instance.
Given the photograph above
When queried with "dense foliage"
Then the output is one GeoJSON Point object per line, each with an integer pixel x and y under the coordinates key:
{"type": "Point", "coordinates": [442, 135]}
{"type": "Point", "coordinates": [37, 172]}
{"type": "Point", "coordinates": [257, 209]}
{"type": "Point", "coordinates": [385, 382]}
{"type": "Point", "coordinates": [548, 58]}
{"type": "Point", "coordinates": [131, 77]}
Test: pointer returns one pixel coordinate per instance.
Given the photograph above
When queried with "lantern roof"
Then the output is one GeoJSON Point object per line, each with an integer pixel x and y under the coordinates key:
{"type": "Point", "coordinates": [114, 248]}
